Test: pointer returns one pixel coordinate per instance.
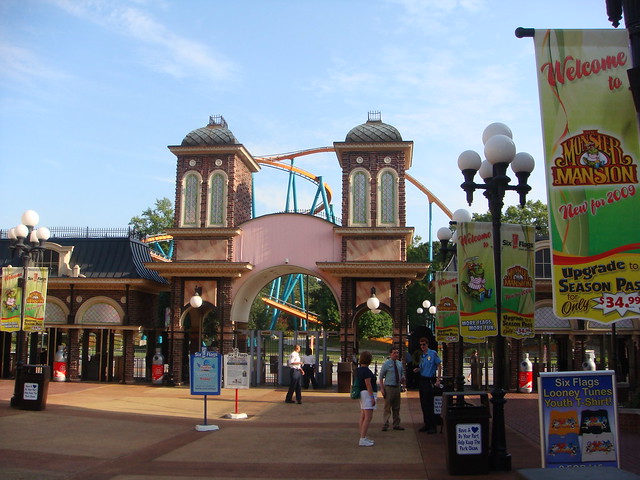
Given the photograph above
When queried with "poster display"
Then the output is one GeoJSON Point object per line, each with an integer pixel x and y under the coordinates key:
{"type": "Point", "coordinates": [591, 153]}
{"type": "Point", "coordinates": [35, 299]}
{"type": "Point", "coordinates": [237, 370]}
{"type": "Point", "coordinates": [578, 419]}
{"type": "Point", "coordinates": [446, 299]}
{"type": "Point", "coordinates": [11, 299]}
{"type": "Point", "coordinates": [205, 372]}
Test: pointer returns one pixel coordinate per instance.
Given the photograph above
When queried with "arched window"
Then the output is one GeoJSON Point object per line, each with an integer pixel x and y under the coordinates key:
{"type": "Point", "coordinates": [191, 200]}
{"type": "Point", "coordinates": [360, 197]}
{"type": "Point", "coordinates": [217, 215]}
{"type": "Point", "coordinates": [388, 197]}
{"type": "Point", "coordinates": [100, 311]}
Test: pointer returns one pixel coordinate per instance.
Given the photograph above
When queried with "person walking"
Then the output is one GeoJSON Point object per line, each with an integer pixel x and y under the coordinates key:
{"type": "Point", "coordinates": [295, 373]}
{"type": "Point", "coordinates": [391, 380]}
{"type": "Point", "coordinates": [309, 369]}
{"type": "Point", "coordinates": [430, 370]}
{"type": "Point", "coordinates": [368, 393]}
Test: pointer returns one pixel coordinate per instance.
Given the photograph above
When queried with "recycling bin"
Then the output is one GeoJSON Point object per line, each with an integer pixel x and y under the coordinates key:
{"type": "Point", "coordinates": [466, 433]}
{"type": "Point", "coordinates": [32, 385]}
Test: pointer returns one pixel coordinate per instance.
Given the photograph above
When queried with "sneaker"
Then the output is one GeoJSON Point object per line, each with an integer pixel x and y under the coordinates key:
{"type": "Point", "coordinates": [398, 427]}
{"type": "Point", "coordinates": [365, 442]}
{"type": "Point", "coordinates": [385, 428]}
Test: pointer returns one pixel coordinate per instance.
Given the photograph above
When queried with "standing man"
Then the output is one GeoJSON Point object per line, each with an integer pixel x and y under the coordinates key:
{"type": "Point", "coordinates": [391, 380]}
{"type": "Point", "coordinates": [309, 369]}
{"type": "Point", "coordinates": [430, 370]}
{"type": "Point", "coordinates": [295, 365]}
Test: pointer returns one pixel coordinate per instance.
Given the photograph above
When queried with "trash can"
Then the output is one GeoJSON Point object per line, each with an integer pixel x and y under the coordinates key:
{"type": "Point", "coordinates": [327, 372]}
{"type": "Point", "coordinates": [466, 433]}
{"type": "Point", "coordinates": [32, 387]}
{"type": "Point", "coordinates": [344, 377]}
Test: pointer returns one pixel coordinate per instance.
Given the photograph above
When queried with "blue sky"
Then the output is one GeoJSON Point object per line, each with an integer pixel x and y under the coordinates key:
{"type": "Point", "coordinates": [93, 91]}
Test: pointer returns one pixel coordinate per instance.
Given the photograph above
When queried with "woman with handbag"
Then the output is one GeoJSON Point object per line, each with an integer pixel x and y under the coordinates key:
{"type": "Point", "coordinates": [368, 392]}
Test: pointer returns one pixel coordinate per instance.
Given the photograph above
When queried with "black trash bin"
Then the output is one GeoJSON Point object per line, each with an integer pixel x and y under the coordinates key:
{"type": "Point", "coordinates": [466, 433]}
{"type": "Point", "coordinates": [32, 386]}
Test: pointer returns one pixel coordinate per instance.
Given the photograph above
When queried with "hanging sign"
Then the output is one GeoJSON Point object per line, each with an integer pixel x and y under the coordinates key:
{"type": "Point", "coordinates": [447, 315]}
{"type": "Point", "coordinates": [11, 299]}
{"type": "Point", "coordinates": [591, 154]}
{"type": "Point", "coordinates": [35, 299]}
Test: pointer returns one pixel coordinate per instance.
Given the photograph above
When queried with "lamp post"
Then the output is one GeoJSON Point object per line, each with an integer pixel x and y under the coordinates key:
{"type": "Point", "coordinates": [429, 311]}
{"type": "Point", "coordinates": [500, 151]}
{"type": "Point", "coordinates": [27, 243]}
{"type": "Point", "coordinates": [448, 240]}
{"type": "Point", "coordinates": [196, 302]}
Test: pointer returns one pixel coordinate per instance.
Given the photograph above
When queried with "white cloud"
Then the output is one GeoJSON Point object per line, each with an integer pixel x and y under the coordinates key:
{"type": "Point", "coordinates": [163, 49]}
{"type": "Point", "coordinates": [22, 65]}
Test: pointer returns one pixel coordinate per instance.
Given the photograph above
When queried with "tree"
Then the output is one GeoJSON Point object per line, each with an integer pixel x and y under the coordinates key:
{"type": "Point", "coordinates": [154, 221]}
{"type": "Point", "coordinates": [533, 213]}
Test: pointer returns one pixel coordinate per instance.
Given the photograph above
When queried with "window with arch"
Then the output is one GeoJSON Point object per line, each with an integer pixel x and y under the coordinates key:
{"type": "Point", "coordinates": [359, 205]}
{"type": "Point", "coordinates": [388, 197]}
{"type": "Point", "coordinates": [217, 205]}
{"type": "Point", "coordinates": [190, 199]}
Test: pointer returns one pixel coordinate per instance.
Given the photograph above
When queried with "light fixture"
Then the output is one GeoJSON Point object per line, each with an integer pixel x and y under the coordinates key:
{"type": "Point", "coordinates": [426, 304]}
{"type": "Point", "coordinates": [372, 302]}
{"type": "Point", "coordinates": [500, 151]}
{"type": "Point", "coordinates": [196, 300]}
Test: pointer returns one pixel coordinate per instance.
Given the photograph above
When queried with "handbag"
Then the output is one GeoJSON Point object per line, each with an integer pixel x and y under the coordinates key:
{"type": "Point", "coordinates": [355, 388]}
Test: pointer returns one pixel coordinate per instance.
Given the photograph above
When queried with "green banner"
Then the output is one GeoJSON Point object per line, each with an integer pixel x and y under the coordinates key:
{"type": "Point", "coordinates": [476, 280]}
{"type": "Point", "coordinates": [447, 315]}
{"type": "Point", "coordinates": [591, 165]}
{"type": "Point", "coordinates": [35, 299]}
{"type": "Point", "coordinates": [518, 274]}
{"type": "Point", "coordinates": [11, 299]}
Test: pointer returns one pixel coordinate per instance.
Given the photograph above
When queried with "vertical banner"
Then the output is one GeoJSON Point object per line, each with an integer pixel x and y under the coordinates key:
{"type": "Point", "coordinates": [476, 280]}
{"type": "Point", "coordinates": [578, 419]}
{"type": "Point", "coordinates": [591, 165]}
{"type": "Point", "coordinates": [447, 315]}
{"type": "Point", "coordinates": [205, 373]}
{"type": "Point", "coordinates": [35, 299]}
{"type": "Point", "coordinates": [518, 273]}
{"type": "Point", "coordinates": [11, 299]}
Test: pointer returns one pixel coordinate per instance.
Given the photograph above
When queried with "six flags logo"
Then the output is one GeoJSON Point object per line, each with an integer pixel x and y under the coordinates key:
{"type": "Point", "coordinates": [593, 158]}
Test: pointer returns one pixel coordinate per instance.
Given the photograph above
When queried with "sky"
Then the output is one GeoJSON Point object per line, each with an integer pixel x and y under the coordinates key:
{"type": "Point", "coordinates": [93, 91]}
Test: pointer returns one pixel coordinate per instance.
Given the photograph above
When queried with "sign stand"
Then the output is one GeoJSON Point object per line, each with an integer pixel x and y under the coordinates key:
{"type": "Point", "coordinates": [237, 372]}
{"type": "Point", "coordinates": [205, 380]}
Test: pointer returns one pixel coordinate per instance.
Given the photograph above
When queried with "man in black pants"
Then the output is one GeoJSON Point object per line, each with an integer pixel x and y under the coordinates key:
{"type": "Point", "coordinates": [295, 364]}
{"type": "Point", "coordinates": [430, 363]}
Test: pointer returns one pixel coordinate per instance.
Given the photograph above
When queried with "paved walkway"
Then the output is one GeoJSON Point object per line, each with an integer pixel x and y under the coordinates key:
{"type": "Point", "coordinates": [140, 432]}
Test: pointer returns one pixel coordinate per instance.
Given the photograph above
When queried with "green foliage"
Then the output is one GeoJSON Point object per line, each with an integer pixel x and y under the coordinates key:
{"type": "Point", "coordinates": [154, 221]}
{"type": "Point", "coordinates": [533, 213]}
{"type": "Point", "coordinates": [374, 325]}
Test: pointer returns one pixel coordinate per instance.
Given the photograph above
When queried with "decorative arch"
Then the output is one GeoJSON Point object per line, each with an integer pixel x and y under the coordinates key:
{"type": "Point", "coordinates": [217, 199]}
{"type": "Point", "coordinates": [100, 311]}
{"type": "Point", "coordinates": [388, 198]}
{"type": "Point", "coordinates": [190, 204]}
{"type": "Point", "coordinates": [56, 312]}
{"type": "Point", "coordinates": [359, 198]}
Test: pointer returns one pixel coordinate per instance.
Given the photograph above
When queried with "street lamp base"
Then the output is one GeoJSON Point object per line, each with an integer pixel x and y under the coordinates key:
{"type": "Point", "coordinates": [500, 463]}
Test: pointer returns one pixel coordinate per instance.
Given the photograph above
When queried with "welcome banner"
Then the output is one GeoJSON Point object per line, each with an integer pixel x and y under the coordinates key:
{"type": "Point", "coordinates": [476, 280]}
{"type": "Point", "coordinates": [447, 315]}
{"type": "Point", "coordinates": [11, 299]}
{"type": "Point", "coordinates": [591, 165]}
{"type": "Point", "coordinates": [35, 299]}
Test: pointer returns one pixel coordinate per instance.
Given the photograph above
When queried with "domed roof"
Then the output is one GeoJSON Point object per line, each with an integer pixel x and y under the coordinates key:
{"type": "Point", "coordinates": [215, 133]}
{"type": "Point", "coordinates": [373, 131]}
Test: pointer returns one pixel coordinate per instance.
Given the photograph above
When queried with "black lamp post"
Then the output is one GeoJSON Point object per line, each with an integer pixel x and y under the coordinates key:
{"type": "Point", "coordinates": [429, 312]}
{"type": "Point", "coordinates": [448, 240]}
{"type": "Point", "coordinates": [500, 151]}
{"type": "Point", "coordinates": [27, 243]}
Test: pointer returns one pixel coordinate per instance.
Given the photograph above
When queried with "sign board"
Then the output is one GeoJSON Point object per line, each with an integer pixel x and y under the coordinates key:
{"type": "Point", "coordinates": [205, 373]}
{"type": "Point", "coordinates": [237, 370]}
{"type": "Point", "coordinates": [578, 419]}
{"type": "Point", "coordinates": [468, 438]}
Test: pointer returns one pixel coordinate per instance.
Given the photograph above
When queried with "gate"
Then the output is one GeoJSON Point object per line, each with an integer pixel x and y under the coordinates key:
{"type": "Point", "coordinates": [270, 349]}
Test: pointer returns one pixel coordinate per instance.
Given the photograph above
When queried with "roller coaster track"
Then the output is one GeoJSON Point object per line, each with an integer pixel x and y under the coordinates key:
{"type": "Point", "coordinates": [290, 309]}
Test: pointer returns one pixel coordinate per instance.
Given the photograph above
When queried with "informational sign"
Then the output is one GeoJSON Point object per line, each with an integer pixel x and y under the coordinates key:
{"type": "Point", "coordinates": [30, 391]}
{"type": "Point", "coordinates": [591, 165]}
{"type": "Point", "coordinates": [35, 299]}
{"type": "Point", "coordinates": [468, 439]}
{"type": "Point", "coordinates": [205, 378]}
{"type": "Point", "coordinates": [237, 370]}
{"type": "Point", "coordinates": [578, 419]}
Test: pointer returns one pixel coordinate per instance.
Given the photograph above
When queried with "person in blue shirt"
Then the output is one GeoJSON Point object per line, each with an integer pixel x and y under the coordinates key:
{"type": "Point", "coordinates": [430, 371]}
